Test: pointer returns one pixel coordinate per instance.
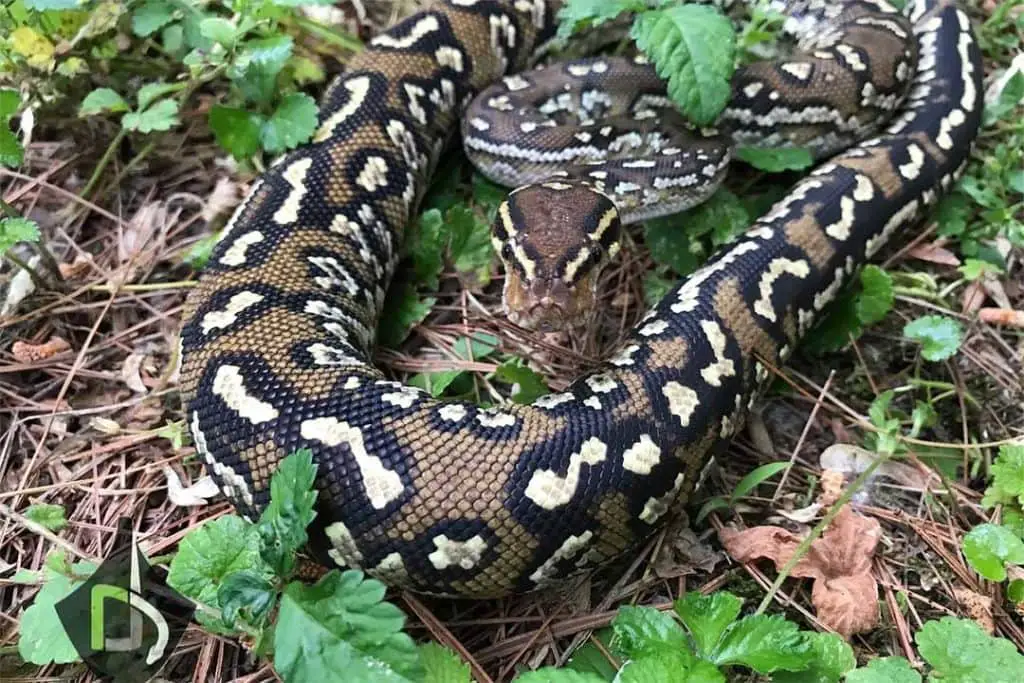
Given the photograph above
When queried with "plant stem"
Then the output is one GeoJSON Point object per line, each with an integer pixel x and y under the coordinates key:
{"type": "Point", "coordinates": [102, 165]}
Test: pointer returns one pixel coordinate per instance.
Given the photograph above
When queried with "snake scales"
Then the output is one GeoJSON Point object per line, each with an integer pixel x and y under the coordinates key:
{"type": "Point", "coordinates": [450, 498]}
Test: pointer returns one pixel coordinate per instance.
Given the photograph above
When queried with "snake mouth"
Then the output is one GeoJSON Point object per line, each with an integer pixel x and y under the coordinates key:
{"type": "Point", "coordinates": [548, 305]}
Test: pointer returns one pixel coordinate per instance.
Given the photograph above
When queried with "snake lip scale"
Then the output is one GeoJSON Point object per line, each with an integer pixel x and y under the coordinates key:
{"type": "Point", "coordinates": [454, 499]}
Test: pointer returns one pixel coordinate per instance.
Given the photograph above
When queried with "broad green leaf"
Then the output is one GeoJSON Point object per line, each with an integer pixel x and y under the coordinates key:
{"type": "Point", "coordinates": [256, 68]}
{"type": "Point", "coordinates": [876, 297]}
{"type": "Point", "coordinates": [576, 14]}
{"type": "Point", "coordinates": [42, 639]}
{"type": "Point", "coordinates": [668, 667]}
{"type": "Point", "coordinates": [151, 92]}
{"type": "Point", "coordinates": [645, 631]}
{"type": "Point", "coordinates": [470, 243]}
{"type": "Point", "coordinates": [291, 124]}
{"type": "Point", "coordinates": [528, 386]}
{"type": "Point", "coordinates": [591, 657]}
{"type": "Point", "coordinates": [426, 246]}
{"type": "Point", "coordinates": [549, 674]}
{"type": "Point", "coordinates": [765, 644]}
{"type": "Point", "coordinates": [1015, 591]}
{"type": "Point", "coordinates": [33, 46]}
{"type": "Point", "coordinates": [219, 30]}
{"type": "Point", "coordinates": [163, 115]}
{"type": "Point", "coordinates": [952, 214]}
{"type": "Point", "coordinates": [282, 526]}
{"type": "Point", "coordinates": [403, 309]}
{"type": "Point", "coordinates": [102, 100]}
{"type": "Point", "coordinates": [441, 665]}
{"type": "Point", "coordinates": [342, 624]}
{"type": "Point", "coordinates": [151, 16]}
{"type": "Point", "coordinates": [693, 46]}
{"type": "Point", "coordinates": [208, 554]}
{"type": "Point", "coordinates": [10, 100]}
{"type": "Point", "coordinates": [960, 652]}
{"type": "Point", "coordinates": [246, 593]}
{"type": "Point", "coordinates": [885, 670]}
{"type": "Point", "coordinates": [478, 346]}
{"type": "Point", "coordinates": [940, 337]}
{"type": "Point", "coordinates": [975, 269]}
{"type": "Point", "coordinates": [488, 195]}
{"type": "Point", "coordinates": [832, 658]}
{"type": "Point", "coordinates": [756, 478]}
{"type": "Point", "coordinates": [776, 160]}
{"type": "Point", "coordinates": [707, 617]}
{"type": "Point", "coordinates": [990, 547]}
{"type": "Point", "coordinates": [49, 516]}
{"type": "Point", "coordinates": [236, 130]}
{"type": "Point", "coordinates": [17, 229]}
{"type": "Point", "coordinates": [1007, 477]}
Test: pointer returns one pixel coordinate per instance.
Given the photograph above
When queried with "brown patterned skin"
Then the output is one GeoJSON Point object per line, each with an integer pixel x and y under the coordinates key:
{"type": "Point", "coordinates": [445, 497]}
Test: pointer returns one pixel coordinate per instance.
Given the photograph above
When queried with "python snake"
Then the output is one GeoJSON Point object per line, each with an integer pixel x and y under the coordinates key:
{"type": "Point", "coordinates": [450, 498]}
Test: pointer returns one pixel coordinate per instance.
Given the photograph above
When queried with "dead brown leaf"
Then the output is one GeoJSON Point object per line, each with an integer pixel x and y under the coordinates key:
{"type": "Point", "coordinates": [979, 608]}
{"type": "Point", "coordinates": [24, 352]}
{"type": "Point", "coordinates": [934, 253]}
{"type": "Point", "coordinates": [845, 594]}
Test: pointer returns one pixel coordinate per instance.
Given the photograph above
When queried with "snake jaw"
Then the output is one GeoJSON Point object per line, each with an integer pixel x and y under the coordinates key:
{"type": "Point", "coordinates": [549, 305]}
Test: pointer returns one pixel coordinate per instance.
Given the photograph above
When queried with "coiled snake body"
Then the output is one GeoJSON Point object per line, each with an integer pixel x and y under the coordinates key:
{"type": "Point", "coordinates": [450, 498]}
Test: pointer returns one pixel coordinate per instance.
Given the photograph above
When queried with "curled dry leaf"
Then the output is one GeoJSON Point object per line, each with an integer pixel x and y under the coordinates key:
{"type": "Point", "coordinates": [973, 298]}
{"type": "Point", "coordinates": [845, 594]}
{"type": "Point", "coordinates": [934, 253]}
{"type": "Point", "coordinates": [979, 608]}
{"type": "Point", "coordinates": [82, 265]}
{"type": "Point", "coordinates": [684, 553]}
{"type": "Point", "coordinates": [225, 197]}
{"type": "Point", "coordinates": [24, 352]}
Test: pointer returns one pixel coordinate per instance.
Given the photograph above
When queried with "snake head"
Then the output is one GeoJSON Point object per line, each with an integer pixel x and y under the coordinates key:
{"type": "Point", "coordinates": [554, 238]}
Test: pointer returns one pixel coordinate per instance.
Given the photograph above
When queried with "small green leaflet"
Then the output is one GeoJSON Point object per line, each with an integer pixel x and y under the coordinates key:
{"type": "Point", "coordinates": [42, 638]}
{"type": "Point", "coordinates": [236, 130]}
{"type": "Point", "coordinates": [876, 297]}
{"type": "Point", "coordinates": [151, 16]}
{"type": "Point", "coordinates": [990, 547]}
{"type": "Point", "coordinates": [291, 124]}
{"type": "Point", "coordinates": [645, 632]}
{"type": "Point", "coordinates": [776, 160]}
{"type": "Point", "coordinates": [940, 337]}
{"type": "Point", "coordinates": [866, 302]}
{"type": "Point", "coordinates": [757, 477]}
{"type": "Point", "coordinates": [49, 516]}
{"type": "Point", "coordinates": [11, 151]}
{"type": "Point", "coordinates": [403, 309]}
{"type": "Point", "coordinates": [246, 593]}
{"type": "Point", "coordinates": [693, 46]}
{"type": "Point", "coordinates": [102, 100]}
{"type": "Point", "coordinates": [282, 526]}
{"type": "Point", "coordinates": [960, 652]}
{"type": "Point", "coordinates": [765, 644]}
{"type": "Point", "coordinates": [549, 674]}
{"type": "Point", "coordinates": [17, 229]}
{"type": "Point", "coordinates": [707, 617]}
{"type": "Point", "coordinates": [441, 665]}
{"type": "Point", "coordinates": [163, 115]}
{"type": "Point", "coordinates": [219, 30]}
{"type": "Point", "coordinates": [479, 346]}
{"type": "Point", "coordinates": [576, 14]}
{"type": "Point", "coordinates": [528, 385]}
{"type": "Point", "coordinates": [342, 624]}
{"type": "Point", "coordinates": [885, 670]}
{"type": "Point", "coordinates": [832, 658]}
{"type": "Point", "coordinates": [1007, 477]}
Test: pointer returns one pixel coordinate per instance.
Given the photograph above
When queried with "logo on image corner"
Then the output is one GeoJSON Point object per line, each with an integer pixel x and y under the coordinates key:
{"type": "Point", "coordinates": [124, 621]}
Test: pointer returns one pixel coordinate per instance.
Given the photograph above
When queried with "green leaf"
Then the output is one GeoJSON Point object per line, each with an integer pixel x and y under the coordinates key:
{"type": "Point", "coordinates": [1009, 97]}
{"type": "Point", "coordinates": [291, 124]}
{"type": "Point", "coordinates": [150, 92]}
{"type": "Point", "coordinates": [645, 631]}
{"type": "Point", "coordinates": [549, 674]}
{"type": "Point", "coordinates": [776, 160]}
{"type": "Point", "coordinates": [1007, 477]}
{"type": "Point", "coordinates": [576, 14]}
{"type": "Point", "coordinates": [247, 593]}
{"type": "Point", "coordinates": [707, 617]}
{"type": "Point", "coordinates": [282, 526]}
{"type": "Point", "coordinates": [10, 100]}
{"type": "Point", "coordinates": [159, 117]}
{"type": "Point", "coordinates": [441, 665]}
{"type": "Point", "coordinates": [940, 336]}
{"type": "Point", "coordinates": [11, 151]}
{"type": "Point", "coordinates": [668, 667]}
{"type": "Point", "coordinates": [42, 639]}
{"type": "Point", "coordinates": [102, 100]}
{"type": "Point", "coordinates": [17, 229]}
{"type": "Point", "coordinates": [591, 657]}
{"type": "Point", "coordinates": [990, 547]}
{"type": "Point", "coordinates": [841, 322]}
{"type": "Point", "coordinates": [528, 386]}
{"type": "Point", "coordinates": [832, 658]}
{"type": "Point", "coordinates": [885, 670]}
{"type": "Point", "coordinates": [342, 624]}
{"type": "Point", "coordinates": [44, 5]}
{"type": "Point", "coordinates": [671, 245]}
{"type": "Point", "coordinates": [219, 30]}
{"type": "Point", "coordinates": [47, 515]}
{"type": "Point", "coordinates": [470, 244]}
{"type": "Point", "coordinates": [975, 269]}
{"type": "Point", "coordinates": [1015, 591]}
{"type": "Point", "coordinates": [876, 297]}
{"type": "Point", "coordinates": [765, 644]}
{"type": "Point", "coordinates": [208, 554]}
{"type": "Point", "coordinates": [952, 214]}
{"type": "Point", "coordinates": [960, 652]}
{"type": "Point", "coordinates": [256, 68]}
{"type": "Point", "coordinates": [656, 287]}
{"type": "Point", "coordinates": [236, 130]}
{"type": "Point", "coordinates": [199, 253]}
{"type": "Point", "coordinates": [427, 246]}
{"type": "Point", "coordinates": [1013, 519]}
{"type": "Point", "coordinates": [757, 477]}
{"type": "Point", "coordinates": [402, 309]}
{"type": "Point", "coordinates": [693, 46]}
{"type": "Point", "coordinates": [151, 16]}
